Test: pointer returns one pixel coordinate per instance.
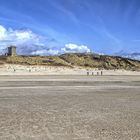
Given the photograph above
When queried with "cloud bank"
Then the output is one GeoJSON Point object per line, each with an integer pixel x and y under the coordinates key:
{"type": "Point", "coordinates": [73, 48]}
{"type": "Point", "coordinates": [29, 43]}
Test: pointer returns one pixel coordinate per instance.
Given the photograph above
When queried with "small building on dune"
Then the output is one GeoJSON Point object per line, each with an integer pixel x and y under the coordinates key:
{"type": "Point", "coordinates": [12, 51]}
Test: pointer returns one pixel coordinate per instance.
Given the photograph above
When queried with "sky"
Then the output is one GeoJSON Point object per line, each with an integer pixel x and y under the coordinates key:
{"type": "Point", "coordinates": [61, 26]}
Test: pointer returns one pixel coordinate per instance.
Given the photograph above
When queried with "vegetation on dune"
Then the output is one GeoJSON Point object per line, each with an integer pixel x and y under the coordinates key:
{"type": "Point", "coordinates": [3, 60]}
{"type": "Point", "coordinates": [71, 60]}
{"type": "Point", "coordinates": [37, 60]}
{"type": "Point", "coordinates": [101, 62]}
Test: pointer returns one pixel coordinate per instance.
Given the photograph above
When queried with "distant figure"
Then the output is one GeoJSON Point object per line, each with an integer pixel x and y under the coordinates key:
{"type": "Point", "coordinates": [87, 73]}
{"type": "Point", "coordinates": [101, 73]}
{"type": "Point", "coordinates": [97, 73]}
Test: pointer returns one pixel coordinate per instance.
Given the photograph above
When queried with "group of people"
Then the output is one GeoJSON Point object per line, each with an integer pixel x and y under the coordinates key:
{"type": "Point", "coordinates": [95, 73]}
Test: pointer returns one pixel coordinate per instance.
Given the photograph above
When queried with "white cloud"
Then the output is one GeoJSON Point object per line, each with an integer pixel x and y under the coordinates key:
{"type": "Point", "coordinates": [46, 52]}
{"type": "Point", "coordinates": [30, 43]}
{"type": "Point", "coordinates": [2, 32]}
{"type": "Point", "coordinates": [74, 48]}
{"type": "Point", "coordinates": [26, 41]}
{"type": "Point", "coordinates": [17, 37]}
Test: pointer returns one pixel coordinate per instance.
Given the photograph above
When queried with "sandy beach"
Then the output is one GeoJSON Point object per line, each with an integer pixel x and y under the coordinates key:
{"type": "Point", "coordinates": [39, 107]}
{"type": "Point", "coordinates": [69, 69]}
{"type": "Point", "coordinates": [61, 103]}
{"type": "Point", "coordinates": [13, 69]}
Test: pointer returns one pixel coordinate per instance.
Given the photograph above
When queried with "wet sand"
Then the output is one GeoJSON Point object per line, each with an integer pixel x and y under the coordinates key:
{"type": "Point", "coordinates": [69, 107]}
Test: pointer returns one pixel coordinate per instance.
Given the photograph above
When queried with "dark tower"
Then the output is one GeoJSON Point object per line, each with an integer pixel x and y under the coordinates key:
{"type": "Point", "coordinates": [12, 51]}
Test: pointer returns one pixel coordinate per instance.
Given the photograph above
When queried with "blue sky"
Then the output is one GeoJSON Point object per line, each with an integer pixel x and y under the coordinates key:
{"type": "Point", "coordinates": [106, 26]}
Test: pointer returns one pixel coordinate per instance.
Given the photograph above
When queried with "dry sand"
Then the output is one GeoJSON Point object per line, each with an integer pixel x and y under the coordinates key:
{"type": "Point", "coordinates": [12, 69]}
{"type": "Point", "coordinates": [69, 107]}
